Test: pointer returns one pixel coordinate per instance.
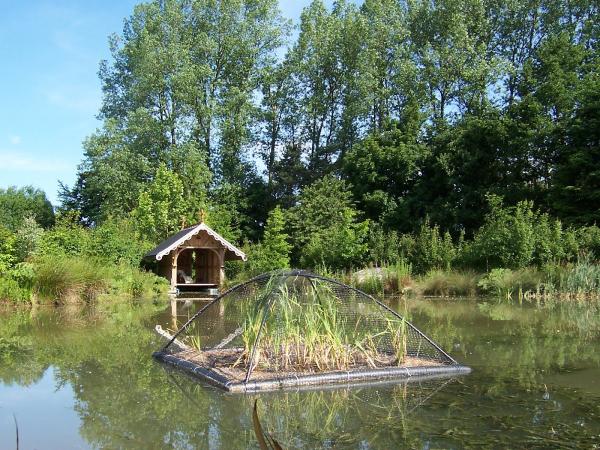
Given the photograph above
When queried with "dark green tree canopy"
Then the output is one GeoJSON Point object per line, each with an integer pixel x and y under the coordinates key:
{"type": "Point", "coordinates": [16, 204]}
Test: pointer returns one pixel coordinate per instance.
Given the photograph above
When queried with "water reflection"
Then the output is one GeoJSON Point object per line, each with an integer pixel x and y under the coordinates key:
{"type": "Point", "coordinates": [534, 385]}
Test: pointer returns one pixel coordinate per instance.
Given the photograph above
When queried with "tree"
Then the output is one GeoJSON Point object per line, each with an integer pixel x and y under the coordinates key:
{"type": "Point", "coordinates": [576, 183]}
{"type": "Point", "coordinates": [180, 90]}
{"type": "Point", "coordinates": [388, 77]}
{"type": "Point", "coordinates": [451, 49]}
{"type": "Point", "coordinates": [325, 228]}
{"type": "Point", "coordinates": [383, 170]}
{"type": "Point", "coordinates": [325, 58]}
{"type": "Point", "coordinates": [161, 207]}
{"type": "Point", "coordinates": [275, 239]}
{"type": "Point", "coordinates": [18, 203]}
{"type": "Point", "coordinates": [274, 250]}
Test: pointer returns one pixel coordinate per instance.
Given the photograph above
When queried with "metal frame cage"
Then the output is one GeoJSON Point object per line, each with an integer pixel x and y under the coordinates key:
{"type": "Point", "coordinates": [292, 329]}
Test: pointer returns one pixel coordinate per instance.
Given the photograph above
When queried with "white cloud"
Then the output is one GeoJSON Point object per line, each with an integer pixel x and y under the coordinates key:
{"type": "Point", "coordinates": [15, 140]}
{"type": "Point", "coordinates": [20, 161]}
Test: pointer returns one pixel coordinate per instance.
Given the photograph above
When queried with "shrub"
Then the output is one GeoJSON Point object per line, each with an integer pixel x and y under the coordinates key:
{"type": "Point", "coordinates": [589, 240]}
{"type": "Point", "coordinates": [11, 290]}
{"type": "Point", "coordinates": [432, 250]}
{"type": "Point", "coordinates": [67, 237]}
{"type": "Point", "coordinates": [117, 241]}
{"type": "Point", "coordinates": [516, 237]}
{"type": "Point", "coordinates": [7, 250]}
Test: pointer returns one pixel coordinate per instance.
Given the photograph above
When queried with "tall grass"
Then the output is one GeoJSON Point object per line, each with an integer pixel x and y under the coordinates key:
{"type": "Point", "coordinates": [390, 279]}
{"type": "Point", "coordinates": [307, 329]}
{"type": "Point", "coordinates": [63, 279]}
{"type": "Point", "coordinates": [448, 283]}
{"type": "Point", "coordinates": [70, 279]}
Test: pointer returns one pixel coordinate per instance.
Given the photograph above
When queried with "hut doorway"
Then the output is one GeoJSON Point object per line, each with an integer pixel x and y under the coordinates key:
{"type": "Point", "coordinates": [199, 267]}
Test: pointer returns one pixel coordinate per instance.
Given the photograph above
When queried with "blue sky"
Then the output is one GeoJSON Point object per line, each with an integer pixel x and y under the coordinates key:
{"type": "Point", "coordinates": [49, 88]}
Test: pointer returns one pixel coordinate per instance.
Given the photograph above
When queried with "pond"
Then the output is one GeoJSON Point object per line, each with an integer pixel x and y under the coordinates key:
{"type": "Point", "coordinates": [84, 378]}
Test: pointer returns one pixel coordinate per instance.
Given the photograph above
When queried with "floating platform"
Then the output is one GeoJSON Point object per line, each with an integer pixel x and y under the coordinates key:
{"type": "Point", "coordinates": [294, 329]}
{"type": "Point", "coordinates": [233, 381]}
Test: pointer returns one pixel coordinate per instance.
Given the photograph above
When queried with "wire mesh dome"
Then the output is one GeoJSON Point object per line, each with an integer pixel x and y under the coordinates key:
{"type": "Point", "coordinates": [293, 328]}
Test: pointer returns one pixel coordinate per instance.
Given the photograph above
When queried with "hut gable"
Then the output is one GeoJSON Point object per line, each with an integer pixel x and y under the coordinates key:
{"type": "Point", "coordinates": [196, 238]}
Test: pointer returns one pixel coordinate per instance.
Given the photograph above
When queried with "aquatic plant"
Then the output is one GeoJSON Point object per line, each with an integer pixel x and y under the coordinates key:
{"type": "Point", "coordinates": [308, 328]}
{"type": "Point", "coordinates": [64, 279]}
{"type": "Point", "coordinates": [448, 283]}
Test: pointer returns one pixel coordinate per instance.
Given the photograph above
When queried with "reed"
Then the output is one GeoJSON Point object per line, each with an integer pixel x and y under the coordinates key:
{"type": "Point", "coordinates": [448, 283]}
{"type": "Point", "coordinates": [309, 329]}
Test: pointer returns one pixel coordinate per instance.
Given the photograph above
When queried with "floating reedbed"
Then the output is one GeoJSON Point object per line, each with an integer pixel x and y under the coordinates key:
{"type": "Point", "coordinates": [292, 329]}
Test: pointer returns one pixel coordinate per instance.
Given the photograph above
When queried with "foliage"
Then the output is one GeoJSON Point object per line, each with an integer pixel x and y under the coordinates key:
{"type": "Point", "coordinates": [324, 226]}
{"type": "Point", "coordinates": [161, 207]}
{"type": "Point", "coordinates": [274, 250]}
{"type": "Point", "coordinates": [27, 238]}
{"type": "Point", "coordinates": [432, 250]}
{"type": "Point", "coordinates": [423, 108]}
{"type": "Point", "coordinates": [515, 237]}
{"type": "Point", "coordinates": [505, 282]}
{"type": "Point", "coordinates": [7, 249]}
{"type": "Point", "coordinates": [67, 279]}
{"type": "Point", "coordinates": [16, 204]}
{"type": "Point", "coordinates": [12, 291]}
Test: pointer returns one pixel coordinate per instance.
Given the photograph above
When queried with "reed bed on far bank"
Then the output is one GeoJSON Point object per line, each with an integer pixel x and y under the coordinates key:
{"type": "Point", "coordinates": [573, 281]}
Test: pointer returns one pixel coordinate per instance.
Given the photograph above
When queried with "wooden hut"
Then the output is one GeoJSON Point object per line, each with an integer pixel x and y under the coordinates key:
{"type": "Point", "coordinates": [193, 259]}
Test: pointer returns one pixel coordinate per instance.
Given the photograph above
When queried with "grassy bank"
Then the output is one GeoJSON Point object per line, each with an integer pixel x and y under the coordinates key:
{"type": "Point", "coordinates": [63, 279]}
{"type": "Point", "coordinates": [573, 281]}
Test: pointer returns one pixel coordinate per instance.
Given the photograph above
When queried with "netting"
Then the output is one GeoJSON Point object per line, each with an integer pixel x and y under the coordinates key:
{"type": "Point", "coordinates": [294, 328]}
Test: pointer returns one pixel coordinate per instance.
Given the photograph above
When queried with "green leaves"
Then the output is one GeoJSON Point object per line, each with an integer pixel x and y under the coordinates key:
{"type": "Point", "coordinates": [161, 207]}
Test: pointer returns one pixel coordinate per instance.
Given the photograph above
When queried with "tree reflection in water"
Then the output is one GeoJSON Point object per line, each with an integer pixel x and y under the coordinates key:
{"type": "Point", "coordinates": [535, 384]}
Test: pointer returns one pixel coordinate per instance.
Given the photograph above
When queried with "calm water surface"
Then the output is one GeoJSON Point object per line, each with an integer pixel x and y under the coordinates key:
{"type": "Point", "coordinates": [84, 378]}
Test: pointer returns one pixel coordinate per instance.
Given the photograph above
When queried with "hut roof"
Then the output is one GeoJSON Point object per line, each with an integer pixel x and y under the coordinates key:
{"type": "Point", "coordinates": [171, 243]}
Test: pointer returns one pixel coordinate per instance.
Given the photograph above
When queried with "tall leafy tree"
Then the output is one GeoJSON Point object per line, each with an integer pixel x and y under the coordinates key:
{"type": "Point", "coordinates": [576, 182]}
{"type": "Point", "coordinates": [179, 90]}
{"type": "Point", "coordinates": [16, 204]}
{"type": "Point", "coordinates": [325, 226]}
{"type": "Point", "coordinates": [161, 207]}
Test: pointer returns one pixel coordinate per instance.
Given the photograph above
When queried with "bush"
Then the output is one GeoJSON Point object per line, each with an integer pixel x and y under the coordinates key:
{"type": "Point", "coordinates": [432, 250]}
{"type": "Point", "coordinates": [505, 282]}
{"type": "Point", "coordinates": [11, 290]}
{"type": "Point", "coordinates": [117, 241]}
{"type": "Point", "coordinates": [589, 240]}
{"type": "Point", "coordinates": [516, 237]}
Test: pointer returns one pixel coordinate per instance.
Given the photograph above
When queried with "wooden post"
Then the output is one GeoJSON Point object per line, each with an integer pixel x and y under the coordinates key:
{"type": "Point", "coordinates": [174, 270]}
{"type": "Point", "coordinates": [221, 267]}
